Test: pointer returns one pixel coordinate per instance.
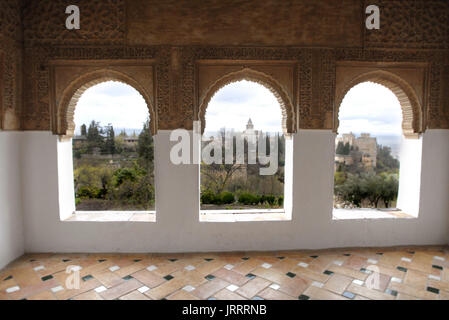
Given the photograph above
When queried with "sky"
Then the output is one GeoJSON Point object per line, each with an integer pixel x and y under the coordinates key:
{"type": "Point", "coordinates": [367, 107]}
{"type": "Point", "coordinates": [372, 108]}
{"type": "Point", "coordinates": [234, 104]}
{"type": "Point", "coordinates": [111, 102]}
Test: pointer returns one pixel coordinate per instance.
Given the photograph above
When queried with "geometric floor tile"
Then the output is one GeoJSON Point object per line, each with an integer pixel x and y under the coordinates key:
{"type": "Point", "coordinates": [395, 273]}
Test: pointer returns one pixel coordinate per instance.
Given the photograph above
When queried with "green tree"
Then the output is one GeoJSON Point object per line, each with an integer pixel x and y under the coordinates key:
{"type": "Point", "coordinates": [339, 178]}
{"type": "Point", "coordinates": [145, 146]}
{"type": "Point", "coordinates": [371, 187]}
{"type": "Point", "coordinates": [390, 188]}
{"type": "Point", "coordinates": [109, 144]}
{"type": "Point", "coordinates": [350, 190]}
{"type": "Point", "coordinates": [94, 136]}
{"type": "Point", "coordinates": [346, 149]}
{"type": "Point", "coordinates": [385, 161]}
{"type": "Point", "coordinates": [83, 130]}
{"type": "Point", "coordinates": [340, 148]}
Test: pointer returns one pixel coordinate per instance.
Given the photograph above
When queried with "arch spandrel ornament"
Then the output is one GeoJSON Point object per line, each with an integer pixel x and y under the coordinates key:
{"type": "Point", "coordinates": [65, 100]}
{"type": "Point", "coordinates": [286, 104]}
{"type": "Point", "coordinates": [412, 109]}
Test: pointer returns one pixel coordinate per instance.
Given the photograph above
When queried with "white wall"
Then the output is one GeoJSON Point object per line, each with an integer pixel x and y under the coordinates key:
{"type": "Point", "coordinates": [178, 228]}
{"type": "Point", "coordinates": [410, 175]}
{"type": "Point", "coordinates": [11, 222]}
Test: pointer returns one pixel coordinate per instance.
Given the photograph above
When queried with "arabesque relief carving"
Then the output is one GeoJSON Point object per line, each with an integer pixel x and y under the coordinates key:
{"type": "Point", "coordinates": [32, 38]}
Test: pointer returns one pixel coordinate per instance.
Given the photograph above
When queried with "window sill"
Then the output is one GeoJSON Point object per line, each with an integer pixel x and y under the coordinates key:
{"type": "Point", "coordinates": [369, 214]}
{"type": "Point", "coordinates": [113, 216]}
{"type": "Point", "coordinates": [243, 215]}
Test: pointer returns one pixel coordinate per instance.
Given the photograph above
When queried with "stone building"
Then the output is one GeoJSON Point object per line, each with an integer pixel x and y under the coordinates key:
{"type": "Point", "coordinates": [363, 149]}
{"type": "Point", "coordinates": [177, 54]}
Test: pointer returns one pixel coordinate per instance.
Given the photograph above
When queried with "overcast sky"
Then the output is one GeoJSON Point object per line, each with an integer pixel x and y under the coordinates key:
{"type": "Point", "coordinates": [372, 108]}
{"type": "Point", "coordinates": [111, 102]}
{"type": "Point", "coordinates": [234, 104]}
{"type": "Point", "coordinates": [367, 107]}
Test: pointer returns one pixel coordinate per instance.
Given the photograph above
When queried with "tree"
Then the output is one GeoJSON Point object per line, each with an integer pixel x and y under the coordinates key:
{"type": "Point", "coordinates": [218, 175]}
{"type": "Point", "coordinates": [351, 190]}
{"type": "Point", "coordinates": [346, 149]}
{"type": "Point", "coordinates": [339, 177]}
{"type": "Point", "coordinates": [83, 130]}
{"type": "Point", "coordinates": [109, 144]}
{"type": "Point", "coordinates": [371, 187]}
{"type": "Point", "coordinates": [94, 136]}
{"type": "Point", "coordinates": [145, 147]}
{"type": "Point", "coordinates": [390, 187]}
{"type": "Point", "coordinates": [385, 160]}
{"type": "Point", "coordinates": [340, 148]}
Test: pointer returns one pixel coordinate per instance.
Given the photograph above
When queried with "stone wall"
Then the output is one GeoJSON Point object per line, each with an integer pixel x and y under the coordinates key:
{"type": "Point", "coordinates": [311, 35]}
{"type": "Point", "coordinates": [10, 64]}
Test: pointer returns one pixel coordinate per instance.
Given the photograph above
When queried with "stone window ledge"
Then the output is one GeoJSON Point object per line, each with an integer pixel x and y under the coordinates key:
{"type": "Point", "coordinates": [371, 214]}
{"type": "Point", "coordinates": [113, 216]}
{"type": "Point", "coordinates": [244, 215]}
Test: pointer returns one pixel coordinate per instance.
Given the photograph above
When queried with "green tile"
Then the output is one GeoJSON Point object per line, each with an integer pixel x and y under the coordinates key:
{"type": "Point", "coordinates": [47, 278]}
{"type": "Point", "coordinates": [210, 277]}
{"type": "Point", "coordinates": [433, 290]}
{"type": "Point", "coordinates": [290, 274]}
{"type": "Point", "coordinates": [303, 297]}
{"type": "Point", "coordinates": [392, 292]}
{"type": "Point", "coordinates": [168, 277]}
{"type": "Point", "coordinates": [88, 277]}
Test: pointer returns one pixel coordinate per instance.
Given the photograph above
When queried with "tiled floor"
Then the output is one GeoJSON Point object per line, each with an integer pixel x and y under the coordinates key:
{"type": "Point", "coordinates": [358, 274]}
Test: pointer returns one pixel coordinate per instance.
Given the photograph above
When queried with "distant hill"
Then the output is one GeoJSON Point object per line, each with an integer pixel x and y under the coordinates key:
{"type": "Point", "coordinates": [117, 131]}
{"type": "Point", "coordinates": [392, 141]}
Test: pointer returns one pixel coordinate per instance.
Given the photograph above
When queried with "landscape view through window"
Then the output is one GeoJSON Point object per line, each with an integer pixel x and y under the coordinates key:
{"type": "Point", "coordinates": [367, 148]}
{"type": "Point", "coordinates": [243, 110]}
{"type": "Point", "coordinates": [113, 150]}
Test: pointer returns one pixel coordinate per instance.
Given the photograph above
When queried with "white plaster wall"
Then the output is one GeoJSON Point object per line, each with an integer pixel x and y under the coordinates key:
{"type": "Point", "coordinates": [66, 188]}
{"type": "Point", "coordinates": [410, 175]}
{"type": "Point", "coordinates": [11, 222]}
{"type": "Point", "coordinates": [177, 203]}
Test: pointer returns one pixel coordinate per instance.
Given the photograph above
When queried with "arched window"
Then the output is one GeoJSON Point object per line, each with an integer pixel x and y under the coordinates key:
{"type": "Point", "coordinates": [113, 151]}
{"type": "Point", "coordinates": [372, 170]}
{"type": "Point", "coordinates": [243, 152]}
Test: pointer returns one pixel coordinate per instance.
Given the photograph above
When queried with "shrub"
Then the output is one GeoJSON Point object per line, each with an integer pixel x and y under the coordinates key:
{"type": "Point", "coordinates": [88, 192]}
{"type": "Point", "coordinates": [281, 201]}
{"type": "Point", "coordinates": [248, 199]}
{"type": "Point", "coordinates": [227, 197]}
{"type": "Point", "coordinates": [208, 197]}
{"type": "Point", "coordinates": [270, 199]}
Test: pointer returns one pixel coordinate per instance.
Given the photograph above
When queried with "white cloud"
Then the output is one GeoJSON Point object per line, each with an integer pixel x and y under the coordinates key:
{"type": "Point", "coordinates": [370, 108]}
{"type": "Point", "coordinates": [111, 102]}
{"type": "Point", "coordinates": [234, 104]}
{"type": "Point", "coordinates": [367, 107]}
